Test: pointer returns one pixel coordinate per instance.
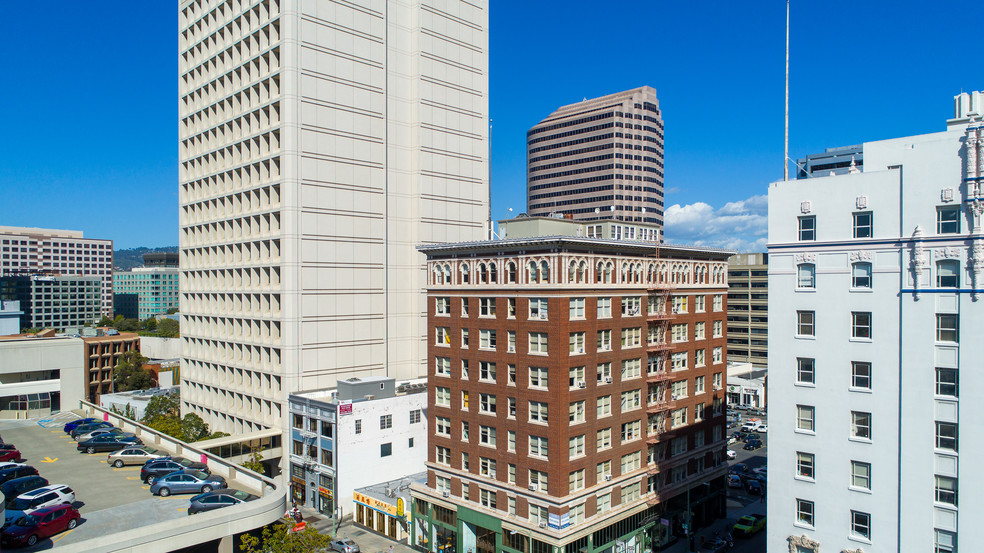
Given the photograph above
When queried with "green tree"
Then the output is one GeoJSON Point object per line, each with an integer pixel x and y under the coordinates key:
{"type": "Point", "coordinates": [162, 407]}
{"type": "Point", "coordinates": [168, 328]}
{"type": "Point", "coordinates": [105, 321]}
{"type": "Point", "coordinates": [255, 461]}
{"type": "Point", "coordinates": [172, 311]}
{"type": "Point", "coordinates": [129, 374]}
{"type": "Point", "coordinates": [150, 324]}
{"type": "Point", "coordinates": [193, 428]}
{"type": "Point", "coordinates": [128, 411]}
{"type": "Point", "coordinates": [278, 538]}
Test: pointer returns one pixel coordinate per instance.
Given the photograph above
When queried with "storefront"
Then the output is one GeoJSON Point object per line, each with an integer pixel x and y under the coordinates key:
{"type": "Point", "coordinates": [375, 510]}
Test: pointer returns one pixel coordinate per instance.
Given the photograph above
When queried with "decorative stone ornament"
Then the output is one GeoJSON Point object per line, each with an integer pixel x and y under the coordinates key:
{"type": "Point", "coordinates": [861, 202]}
{"type": "Point", "coordinates": [977, 267]}
{"type": "Point", "coordinates": [860, 255]}
{"type": "Point", "coordinates": [946, 195]}
{"type": "Point", "coordinates": [858, 550]}
{"type": "Point", "coordinates": [806, 207]}
{"type": "Point", "coordinates": [948, 252]}
{"type": "Point", "coordinates": [917, 260]}
{"type": "Point", "coordinates": [798, 543]}
{"type": "Point", "coordinates": [806, 257]}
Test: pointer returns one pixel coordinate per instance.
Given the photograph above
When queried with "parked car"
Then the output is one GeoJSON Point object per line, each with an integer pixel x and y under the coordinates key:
{"type": "Point", "coordinates": [10, 455]}
{"type": "Point", "coordinates": [76, 423]}
{"type": "Point", "coordinates": [763, 428]}
{"type": "Point", "coordinates": [86, 428]}
{"type": "Point", "coordinates": [739, 468]}
{"type": "Point", "coordinates": [763, 470]}
{"type": "Point", "coordinates": [752, 445]}
{"type": "Point", "coordinates": [732, 454]}
{"type": "Point", "coordinates": [8, 464]}
{"type": "Point", "coordinates": [714, 545]}
{"type": "Point", "coordinates": [107, 442]}
{"type": "Point", "coordinates": [13, 488]}
{"type": "Point", "coordinates": [7, 446]}
{"type": "Point", "coordinates": [345, 545]}
{"type": "Point", "coordinates": [104, 431]}
{"type": "Point", "coordinates": [16, 472]}
{"type": "Point", "coordinates": [137, 455]}
{"type": "Point", "coordinates": [217, 499]}
{"type": "Point", "coordinates": [753, 486]}
{"type": "Point", "coordinates": [734, 481]}
{"type": "Point", "coordinates": [186, 481]}
{"type": "Point", "coordinates": [152, 470]}
{"type": "Point", "coordinates": [29, 529]}
{"type": "Point", "coordinates": [29, 502]}
{"type": "Point", "coordinates": [749, 525]}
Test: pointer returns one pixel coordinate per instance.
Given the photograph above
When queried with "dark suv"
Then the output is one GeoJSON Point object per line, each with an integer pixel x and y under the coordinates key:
{"type": "Point", "coordinates": [12, 488]}
{"type": "Point", "coordinates": [16, 472]}
{"type": "Point", "coordinates": [154, 469]}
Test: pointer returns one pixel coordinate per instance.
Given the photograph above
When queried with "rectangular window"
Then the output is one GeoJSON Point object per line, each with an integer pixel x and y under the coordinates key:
{"type": "Point", "coordinates": [576, 412]}
{"type": "Point", "coordinates": [575, 447]}
{"type": "Point", "coordinates": [575, 377]}
{"type": "Point", "coordinates": [577, 308]}
{"type": "Point", "coordinates": [678, 304]}
{"type": "Point", "coordinates": [861, 425]}
{"type": "Point", "coordinates": [486, 435]}
{"type": "Point", "coordinates": [486, 404]}
{"type": "Point", "coordinates": [946, 382]}
{"type": "Point", "coordinates": [511, 308]}
{"type": "Point", "coordinates": [576, 343]}
{"type": "Point", "coordinates": [805, 373]}
{"type": "Point", "coordinates": [948, 219]}
{"type": "Point", "coordinates": [718, 302]}
{"type": "Point", "coordinates": [358, 425]}
{"type": "Point", "coordinates": [604, 308]}
{"type": "Point", "coordinates": [948, 274]}
{"type": "Point", "coordinates": [861, 275]}
{"type": "Point", "coordinates": [464, 307]}
{"type": "Point", "coordinates": [699, 302]}
{"type": "Point", "coordinates": [808, 228]}
{"type": "Point", "coordinates": [946, 436]}
{"type": "Point", "coordinates": [385, 421]}
{"type": "Point", "coordinates": [385, 450]}
{"type": "Point", "coordinates": [717, 356]}
{"type": "Point", "coordinates": [946, 328]}
{"type": "Point", "coordinates": [486, 371]}
{"type": "Point", "coordinates": [442, 306]}
{"type": "Point", "coordinates": [679, 417]}
{"type": "Point", "coordinates": [604, 340]}
{"type": "Point", "coordinates": [861, 375]}
{"type": "Point", "coordinates": [805, 463]}
{"type": "Point", "coordinates": [604, 440]}
{"type": "Point", "coordinates": [861, 475]}
{"type": "Point", "coordinates": [538, 308]}
{"type": "Point", "coordinates": [443, 336]}
{"type": "Point", "coordinates": [631, 462]}
{"type": "Point", "coordinates": [538, 412]}
{"type": "Point", "coordinates": [442, 426]}
{"type": "Point", "coordinates": [631, 431]}
{"type": "Point", "coordinates": [946, 490]}
{"type": "Point", "coordinates": [464, 400]}
{"type": "Point", "coordinates": [630, 493]}
{"type": "Point", "coordinates": [631, 368]}
{"type": "Point", "coordinates": [443, 455]}
{"type": "Point", "coordinates": [538, 377]}
{"type": "Point", "coordinates": [603, 471]}
{"type": "Point", "coordinates": [699, 358]}
{"type": "Point", "coordinates": [486, 307]}
{"type": "Point", "coordinates": [698, 385]}
{"type": "Point", "coordinates": [699, 330]}
{"type": "Point", "coordinates": [945, 542]}
{"type": "Point", "coordinates": [604, 373]}
{"type": "Point", "coordinates": [465, 465]}
{"type": "Point", "coordinates": [804, 323]}
{"type": "Point", "coordinates": [806, 275]}
{"type": "Point", "coordinates": [442, 366]}
{"type": "Point", "coordinates": [631, 337]}
{"type": "Point", "coordinates": [861, 524]}
{"type": "Point", "coordinates": [538, 480]}
{"type": "Point", "coordinates": [863, 225]}
{"type": "Point", "coordinates": [464, 337]}
{"type": "Point", "coordinates": [678, 361]}
{"type": "Point", "coordinates": [511, 441]}
{"type": "Point", "coordinates": [604, 503]}
{"type": "Point", "coordinates": [464, 369]}
{"type": "Point", "coordinates": [487, 498]}
{"type": "Point", "coordinates": [538, 514]}
{"type": "Point", "coordinates": [486, 339]}
{"type": "Point", "coordinates": [464, 431]}
{"type": "Point", "coordinates": [631, 306]}
{"type": "Point", "coordinates": [679, 389]}
{"type": "Point", "coordinates": [678, 333]}
{"type": "Point", "coordinates": [442, 396]}
{"type": "Point", "coordinates": [443, 484]}
{"type": "Point", "coordinates": [861, 324]}
{"type": "Point", "coordinates": [604, 406]}
{"type": "Point", "coordinates": [538, 342]}
{"type": "Point", "coordinates": [512, 408]}
{"type": "Point", "coordinates": [804, 417]}
{"type": "Point", "coordinates": [511, 374]}
{"type": "Point", "coordinates": [804, 511]}
{"type": "Point", "coordinates": [575, 481]}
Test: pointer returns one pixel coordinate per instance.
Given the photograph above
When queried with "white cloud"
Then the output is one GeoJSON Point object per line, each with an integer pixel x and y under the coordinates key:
{"type": "Point", "coordinates": [741, 225]}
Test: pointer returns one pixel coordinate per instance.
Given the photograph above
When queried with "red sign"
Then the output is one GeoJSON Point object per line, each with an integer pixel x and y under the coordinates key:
{"type": "Point", "coordinates": [299, 526]}
{"type": "Point", "coordinates": [345, 409]}
{"type": "Point", "coordinates": [105, 416]}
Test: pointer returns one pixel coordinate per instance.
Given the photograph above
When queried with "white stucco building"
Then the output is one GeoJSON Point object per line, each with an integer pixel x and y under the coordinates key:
{"type": "Point", "coordinates": [320, 143]}
{"type": "Point", "coordinates": [39, 376]}
{"type": "Point", "coordinates": [876, 295]}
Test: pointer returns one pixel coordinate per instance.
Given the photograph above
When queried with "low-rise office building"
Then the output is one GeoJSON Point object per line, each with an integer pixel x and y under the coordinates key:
{"type": "Point", "coordinates": [748, 309]}
{"type": "Point", "coordinates": [102, 354]}
{"type": "Point", "coordinates": [54, 301]}
{"type": "Point", "coordinates": [39, 376]}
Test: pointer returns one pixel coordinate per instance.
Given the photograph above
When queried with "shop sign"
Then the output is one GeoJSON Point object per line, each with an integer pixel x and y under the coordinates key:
{"type": "Point", "coordinates": [375, 503]}
{"type": "Point", "coordinates": [297, 480]}
{"type": "Point", "coordinates": [733, 388]}
{"type": "Point", "coordinates": [324, 491]}
{"type": "Point", "coordinates": [752, 391]}
{"type": "Point", "coordinates": [345, 407]}
{"type": "Point", "coordinates": [554, 521]}
{"type": "Point", "coordinates": [565, 520]}
{"type": "Point", "coordinates": [400, 507]}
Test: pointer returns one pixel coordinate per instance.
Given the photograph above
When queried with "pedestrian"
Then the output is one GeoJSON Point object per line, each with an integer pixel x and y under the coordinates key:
{"type": "Point", "coordinates": [391, 549]}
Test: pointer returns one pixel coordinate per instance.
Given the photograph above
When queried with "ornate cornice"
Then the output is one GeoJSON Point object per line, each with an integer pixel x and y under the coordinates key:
{"type": "Point", "coordinates": [797, 542]}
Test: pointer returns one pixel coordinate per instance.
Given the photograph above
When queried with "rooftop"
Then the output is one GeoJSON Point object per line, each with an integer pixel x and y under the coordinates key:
{"type": "Point", "coordinates": [577, 243]}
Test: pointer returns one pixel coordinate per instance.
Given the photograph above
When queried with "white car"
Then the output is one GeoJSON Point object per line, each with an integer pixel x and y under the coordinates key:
{"type": "Point", "coordinates": [732, 454]}
{"type": "Point", "coordinates": [762, 427]}
{"type": "Point", "coordinates": [47, 496]}
{"type": "Point", "coordinates": [10, 464]}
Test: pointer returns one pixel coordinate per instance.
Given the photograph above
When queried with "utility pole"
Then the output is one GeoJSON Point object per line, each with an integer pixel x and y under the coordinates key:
{"type": "Point", "coordinates": [785, 156]}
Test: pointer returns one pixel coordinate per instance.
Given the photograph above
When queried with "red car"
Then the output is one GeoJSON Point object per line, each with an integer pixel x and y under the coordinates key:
{"type": "Point", "coordinates": [9, 455]}
{"type": "Point", "coordinates": [40, 524]}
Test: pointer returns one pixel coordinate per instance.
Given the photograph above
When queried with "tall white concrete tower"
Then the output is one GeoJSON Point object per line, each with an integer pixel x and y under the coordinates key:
{"type": "Point", "coordinates": [320, 142]}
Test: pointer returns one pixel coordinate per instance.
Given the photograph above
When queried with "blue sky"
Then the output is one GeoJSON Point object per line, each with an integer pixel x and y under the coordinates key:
{"type": "Point", "coordinates": [91, 133]}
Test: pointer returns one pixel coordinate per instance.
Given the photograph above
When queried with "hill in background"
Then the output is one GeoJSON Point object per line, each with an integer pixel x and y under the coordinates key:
{"type": "Point", "coordinates": [124, 260]}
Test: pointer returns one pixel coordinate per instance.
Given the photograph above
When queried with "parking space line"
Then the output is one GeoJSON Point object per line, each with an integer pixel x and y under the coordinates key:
{"type": "Point", "coordinates": [133, 478]}
{"type": "Point", "coordinates": [62, 535]}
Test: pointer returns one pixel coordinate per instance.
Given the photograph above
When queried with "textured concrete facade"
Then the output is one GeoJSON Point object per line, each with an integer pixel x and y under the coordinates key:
{"type": "Point", "coordinates": [599, 159]}
{"type": "Point", "coordinates": [748, 309]}
{"type": "Point", "coordinates": [320, 143]}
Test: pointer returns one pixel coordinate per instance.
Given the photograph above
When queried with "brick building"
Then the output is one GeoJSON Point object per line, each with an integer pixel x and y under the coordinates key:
{"type": "Point", "coordinates": [576, 394]}
{"type": "Point", "coordinates": [102, 354]}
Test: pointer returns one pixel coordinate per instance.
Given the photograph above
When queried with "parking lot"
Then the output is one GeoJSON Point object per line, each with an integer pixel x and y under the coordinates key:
{"type": "Point", "coordinates": [109, 499]}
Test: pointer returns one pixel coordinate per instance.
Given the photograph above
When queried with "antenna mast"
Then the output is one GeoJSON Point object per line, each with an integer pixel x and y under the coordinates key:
{"type": "Point", "coordinates": [785, 157]}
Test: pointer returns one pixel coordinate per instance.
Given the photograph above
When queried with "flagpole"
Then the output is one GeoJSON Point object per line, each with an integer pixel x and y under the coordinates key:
{"type": "Point", "coordinates": [785, 157]}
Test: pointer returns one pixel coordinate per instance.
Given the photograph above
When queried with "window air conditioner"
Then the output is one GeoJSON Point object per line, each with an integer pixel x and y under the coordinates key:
{"type": "Point", "coordinates": [543, 524]}
{"type": "Point", "coordinates": [491, 474]}
{"type": "Point", "coordinates": [582, 384]}
{"type": "Point", "coordinates": [608, 380]}
{"type": "Point", "coordinates": [608, 477]}
{"type": "Point", "coordinates": [532, 487]}
{"type": "Point", "coordinates": [543, 315]}
{"type": "Point", "coordinates": [445, 494]}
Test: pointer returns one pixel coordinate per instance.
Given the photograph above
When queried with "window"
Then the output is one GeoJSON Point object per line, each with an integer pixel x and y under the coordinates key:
{"type": "Point", "coordinates": [538, 377]}
{"type": "Point", "coordinates": [385, 450]}
{"type": "Point", "coordinates": [717, 381]}
{"type": "Point", "coordinates": [486, 435]}
{"type": "Point", "coordinates": [358, 426]}
{"type": "Point", "coordinates": [679, 417]}
{"type": "Point", "coordinates": [486, 307]}
{"type": "Point", "coordinates": [861, 324]}
{"type": "Point", "coordinates": [861, 524]}
{"type": "Point", "coordinates": [717, 356]}
{"type": "Point", "coordinates": [804, 417]}
{"type": "Point", "coordinates": [631, 305]}
{"type": "Point", "coordinates": [576, 411]}
{"type": "Point", "coordinates": [465, 465]}
{"type": "Point", "coordinates": [699, 331]}
{"type": "Point", "coordinates": [861, 275]}
{"type": "Point", "coordinates": [946, 490]}
{"type": "Point", "coordinates": [604, 373]}
{"type": "Point", "coordinates": [804, 511]}
{"type": "Point", "coordinates": [863, 224]}
{"type": "Point", "coordinates": [631, 462]}
{"type": "Point", "coordinates": [511, 443]}
{"type": "Point", "coordinates": [804, 323]}
{"type": "Point", "coordinates": [538, 308]}
{"type": "Point", "coordinates": [442, 426]}
{"type": "Point", "coordinates": [575, 377]}
{"type": "Point", "coordinates": [575, 447]}
{"type": "Point", "coordinates": [486, 339]}
{"type": "Point", "coordinates": [576, 343]}
{"type": "Point", "coordinates": [604, 440]}
{"type": "Point", "coordinates": [806, 275]}
{"type": "Point", "coordinates": [678, 361]}
{"type": "Point", "coordinates": [511, 341]}
{"type": "Point", "coordinates": [442, 396]}
{"type": "Point", "coordinates": [486, 371]}
{"type": "Point", "coordinates": [679, 304]}
{"type": "Point", "coordinates": [718, 302]}
{"type": "Point", "coordinates": [464, 400]}
{"type": "Point", "coordinates": [538, 514]}
{"type": "Point", "coordinates": [946, 328]}
{"type": "Point", "coordinates": [632, 337]}
{"type": "Point", "coordinates": [511, 308]}
{"type": "Point", "coordinates": [861, 425]}
{"type": "Point", "coordinates": [698, 385]}
{"type": "Point", "coordinates": [512, 408]}
{"type": "Point", "coordinates": [511, 373]}
{"type": "Point", "coordinates": [631, 368]}
{"type": "Point", "coordinates": [631, 431]}
{"type": "Point", "coordinates": [443, 484]}
{"type": "Point", "coordinates": [464, 337]}
{"type": "Point", "coordinates": [631, 400]}
{"type": "Point", "coordinates": [577, 308]}
{"type": "Point", "coordinates": [604, 503]}
{"type": "Point", "coordinates": [805, 373]}
{"type": "Point", "coordinates": [538, 480]}
{"type": "Point", "coordinates": [946, 382]}
{"type": "Point", "coordinates": [946, 436]}
{"type": "Point", "coordinates": [443, 336]}
{"type": "Point", "coordinates": [385, 421]}
{"type": "Point", "coordinates": [603, 471]}
{"type": "Point", "coordinates": [575, 481]}
{"type": "Point", "coordinates": [538, 342]}
{"type": "Point", "coordinates": [442, 306]}
{"type": "Point", "coordinates": [538, 412]}
{"type": "Point", "coordinates": [699, 303]}
{"type": "Point", "coordinates": [486, 404]}
{"type": "Point", "coordinates": [808, 228]}
{"type": "Point", "coordinates": [805, 463]}
{"type": "Point", "coordinates": [604, 340]}
{"type": "Point", "coordinates": [443, 455]}
{"type": "Point", "coordinates": [861, 475]}
{"type": "Point", "coordinates": [464, 369]}
{"type": "Point", "coordinates": [679, 389]}
{"type": "Point", "coordinates": [465, 436]}
{"type": "Point", "coordinates": [442, 366]}
{"type": "Point", "coordinates": [948, 274]}
{"type": "Point", "coordinates": [945, 542]}
{"type": "Point", "coordinates": [948, 219]}
{"type": "Point", "coordinates": [487, 498]}
{"type": "Point", "coordinates": [678, 333]}
{"type": "Point", "coordinates": [604, 308]}
{"type": "Point", "coordinates": [604, 406]}
{"type": "Point", "coordinates": [464, 307]}
{"type": "Point", "coordinates": [861, 375]}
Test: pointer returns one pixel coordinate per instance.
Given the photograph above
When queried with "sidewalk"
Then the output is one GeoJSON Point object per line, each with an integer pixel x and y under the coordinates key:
{"type": "Point", "coordinates": [735, 511]}
{"type": "Point", "coordinates": [367, 540]}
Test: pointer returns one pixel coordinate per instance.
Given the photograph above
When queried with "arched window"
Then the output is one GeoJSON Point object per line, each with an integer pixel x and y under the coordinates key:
{"type": "Point", "coordinates": [861, 275]}
{"type": "Point", "coordinates": [582, 272]}
{"type": "Point", "coordinates": [464, 273]}
{"type": "Point", "coordinates": [483, 274]}
{"type": "Point", "coordinates": [806, 275]}
{"type": "Point", "coordinates": [493, 273]}
{"type": "Point", "coordinates": [447, 274]}
{"type": "Point", "coordinates": [533, 272]}
{"type": "Point", "coordinates": [571, 269]}
{"type": "Point", "coordinates": [511, 272]}
{"type": "Point", "coordinates": [948, 274]}
{"type": "Point", "coordinates": [544, 272]}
